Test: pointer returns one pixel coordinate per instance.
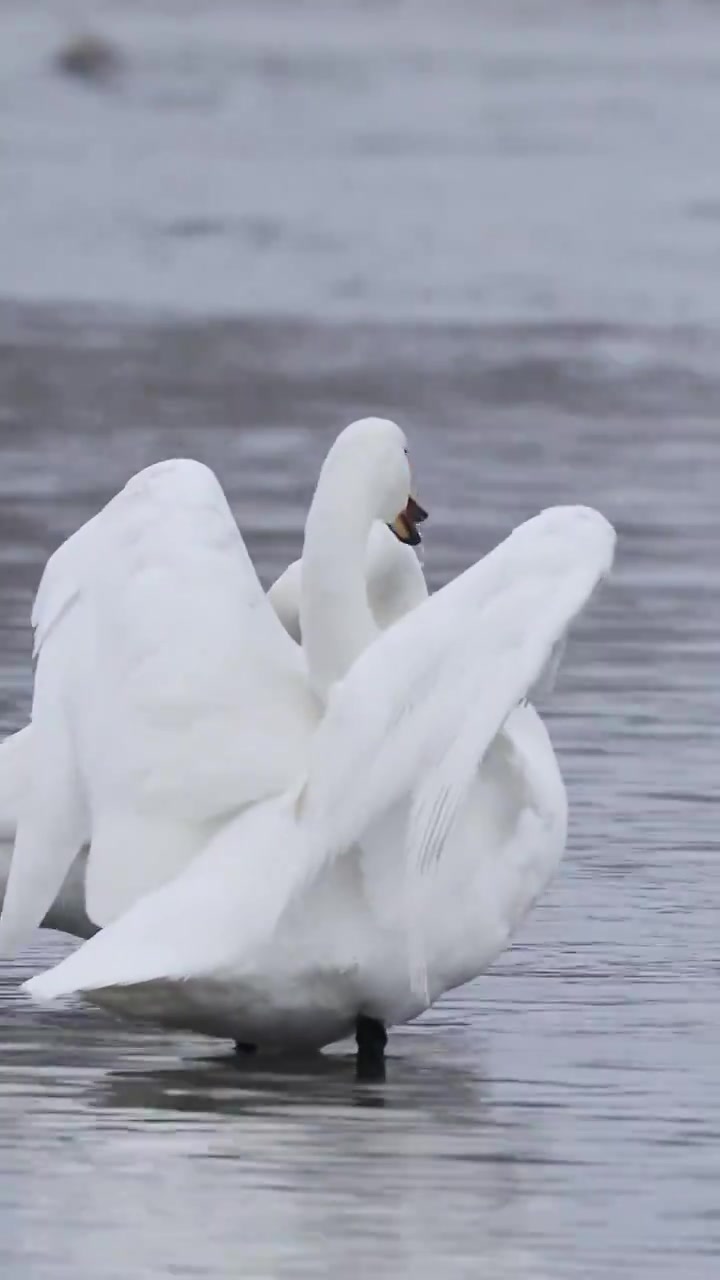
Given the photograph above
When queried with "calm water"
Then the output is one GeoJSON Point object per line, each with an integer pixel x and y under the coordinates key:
{"type": "Point", "coordinates": [559, 1117]}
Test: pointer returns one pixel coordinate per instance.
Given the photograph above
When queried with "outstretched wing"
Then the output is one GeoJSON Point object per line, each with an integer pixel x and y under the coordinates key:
{"type": "Point", "coordinates": [167, 695]}
{"type": "Point", "coordinates": [419, 709]}
{"type": "Point", "coordinates": [206, 684]}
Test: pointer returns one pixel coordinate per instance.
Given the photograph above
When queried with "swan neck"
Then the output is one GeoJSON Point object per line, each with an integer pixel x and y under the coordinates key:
{"type": "Point", "coordinates": [335, 617]}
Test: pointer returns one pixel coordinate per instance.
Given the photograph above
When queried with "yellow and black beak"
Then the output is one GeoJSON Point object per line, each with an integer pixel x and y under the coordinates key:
{"type": "Point", "coordinates": [404, 526]}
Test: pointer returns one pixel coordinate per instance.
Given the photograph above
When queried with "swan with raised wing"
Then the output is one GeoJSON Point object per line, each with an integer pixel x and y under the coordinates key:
{"type": "Point", "coordinates": [427, 817]}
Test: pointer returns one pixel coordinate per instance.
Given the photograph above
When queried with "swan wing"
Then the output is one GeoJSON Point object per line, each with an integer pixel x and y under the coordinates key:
{"type": "Point", "coordinates": [167, 695]}
{"type": "Point", "coordinates": [210, 690]}
{"type": "Point", "coordinates": [514, 641]}
{"type": "Point", "coordinates": [420, 707]}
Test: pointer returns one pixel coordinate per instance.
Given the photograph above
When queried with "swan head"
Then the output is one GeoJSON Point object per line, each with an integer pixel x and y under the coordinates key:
{"type": "Point", "coordinates": [375, 453]}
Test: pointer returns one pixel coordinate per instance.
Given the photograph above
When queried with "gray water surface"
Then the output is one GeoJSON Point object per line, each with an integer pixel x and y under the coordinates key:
{"type": "Point", "coordinates": [498, 224]}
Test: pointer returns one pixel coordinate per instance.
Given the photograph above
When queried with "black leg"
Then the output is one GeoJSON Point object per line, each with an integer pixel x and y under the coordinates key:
{"type": "Point", "coordinates": [244, 1050]}
{"type": "Point", "coordinates": [371, 1039]}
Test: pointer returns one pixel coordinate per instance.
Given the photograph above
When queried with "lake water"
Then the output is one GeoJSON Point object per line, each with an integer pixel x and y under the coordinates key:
{"type": "Point", "coordinates": [499, 224]}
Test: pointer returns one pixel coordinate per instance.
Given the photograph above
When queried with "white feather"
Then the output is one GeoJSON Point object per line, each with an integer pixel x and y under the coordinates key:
{"type": "Point", "coordinates": [167, 695]}
{"type": "Point", "coordinates": [408, 726]}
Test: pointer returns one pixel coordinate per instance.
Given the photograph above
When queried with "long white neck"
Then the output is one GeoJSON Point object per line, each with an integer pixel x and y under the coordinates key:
{"type": "Point", "coordinates": [335, 617]}
{"type": "Point", "coordinates": [394, 578]}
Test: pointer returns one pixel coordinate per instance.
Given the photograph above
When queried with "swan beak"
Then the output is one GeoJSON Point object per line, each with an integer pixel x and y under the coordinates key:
{"type": "Point", "coordinates": [404, 526]}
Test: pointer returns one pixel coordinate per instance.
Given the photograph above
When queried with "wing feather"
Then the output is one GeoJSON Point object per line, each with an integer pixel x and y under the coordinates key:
{"type": "Point", "coordinates": [52, 821]}
{"type": "Point", "coordinates": [431, 694]}
{"type": "Point", "coordinates": [165, 687]}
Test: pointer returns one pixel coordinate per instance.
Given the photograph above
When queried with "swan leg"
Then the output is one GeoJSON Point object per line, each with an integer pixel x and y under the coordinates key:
{"type": "Point", "coordinates": [371, 1039]}
{"type": "Point", "coordinates": [244, 1050]}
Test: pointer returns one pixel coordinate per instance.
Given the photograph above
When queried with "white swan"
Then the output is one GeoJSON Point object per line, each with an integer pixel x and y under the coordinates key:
{"type": "Point", "coordinates": [149, 728]}
{"type": "Point", "coordinates": [359, 893]}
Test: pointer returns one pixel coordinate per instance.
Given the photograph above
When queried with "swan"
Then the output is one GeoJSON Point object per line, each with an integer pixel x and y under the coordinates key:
{"type": "Point", "coordinates": [354, 899]}
{"type": "Point", "coordinates": [130, 695]}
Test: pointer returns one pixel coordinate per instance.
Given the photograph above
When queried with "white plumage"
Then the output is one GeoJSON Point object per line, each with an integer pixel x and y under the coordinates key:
{"type": "Point", "coordinates": [428, 815]}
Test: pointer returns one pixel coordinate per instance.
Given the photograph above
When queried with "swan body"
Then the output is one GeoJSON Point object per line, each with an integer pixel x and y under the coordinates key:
{"type": "Point", "coordinates": [150, 728]}
{"type": "Point", "coordinates": [428, 817]}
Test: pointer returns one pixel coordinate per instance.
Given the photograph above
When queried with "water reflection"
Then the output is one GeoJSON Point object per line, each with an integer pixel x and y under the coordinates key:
{"type": "Point", "coordinates": [287, 1167]}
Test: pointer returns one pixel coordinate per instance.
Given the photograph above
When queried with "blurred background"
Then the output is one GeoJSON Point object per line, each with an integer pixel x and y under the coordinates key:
{"type": "Point", "coordinates": [227, 229]}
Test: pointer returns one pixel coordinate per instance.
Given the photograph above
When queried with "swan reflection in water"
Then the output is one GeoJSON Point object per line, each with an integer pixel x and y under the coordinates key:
{"type": "Point", "coordinates": [383, 1173]}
